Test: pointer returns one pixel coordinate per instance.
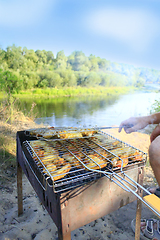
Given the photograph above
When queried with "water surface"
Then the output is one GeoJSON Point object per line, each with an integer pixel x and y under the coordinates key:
{"type": "Point", "coordinates": [91, 110]}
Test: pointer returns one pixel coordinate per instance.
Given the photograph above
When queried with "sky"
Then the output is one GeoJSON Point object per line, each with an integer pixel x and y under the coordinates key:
{"type": "Point", "coordinates": [118, 30]}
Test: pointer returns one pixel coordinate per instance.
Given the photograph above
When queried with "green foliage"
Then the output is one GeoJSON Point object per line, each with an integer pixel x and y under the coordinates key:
{"type": "Point", "coordinates": [68, 78]}
{"type": "Point", "coordinates": [155, 107]}
{"type": "Point", "coordinates": [91, 80]}
{"type": "Point", "coordinates": [22, 68]}
{"type": "Point", "coordinates": [61, 61]}
{"type": "Point", "coordinates": [140, 82]}
{"type": "Point", "coordinates": [10, 83]}
{"type": "Point", "coordinates": [78, 60]}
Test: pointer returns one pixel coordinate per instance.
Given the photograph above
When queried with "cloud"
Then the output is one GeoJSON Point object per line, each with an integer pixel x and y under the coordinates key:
{"type": "Point", "coordinates": [134, 27]}
{"type": "Point", "coordinates": [18, 13]}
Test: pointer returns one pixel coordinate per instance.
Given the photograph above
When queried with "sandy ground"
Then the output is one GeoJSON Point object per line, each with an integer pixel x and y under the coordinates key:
{"type": "Point", "coordinates": [35, 222]}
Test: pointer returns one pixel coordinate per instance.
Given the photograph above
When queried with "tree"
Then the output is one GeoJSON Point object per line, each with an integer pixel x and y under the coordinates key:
{"type": "Point", "coordinates": [81, 76]}
{"type": "Point", "coordinates": [14, 57]}
{"type": "Point", "coordinates": [140, 82]}
{"type": "Point", "coordinates": [103, 64]}
{"type": "Point", "coordinates": [50, 57]}
{"type": "Point", "coordinates": [30, 55]}
{"type": "Point", "coordinates": [68, 78]}
{"type": "Point", "coordinates": [42, 56]}
{"type": "Point", "coordinates": [78, 60]}
{"type": "Point", "coordinates": [55, 80]}
{"type": "Point", "coordinates": [61, 60]}
{"type": "Point", "coordinates": [92, 79]}
{"type": "Point", "coordinates": [30, 79]}
{"type": "Point", "coordinates": [10, 82]}
{"type": "Point", "coordinates": [93, 63]}
{"type": "Point", "coordinates": [105, 79]}
{"type": "Point", "coordinates": [2, 57]}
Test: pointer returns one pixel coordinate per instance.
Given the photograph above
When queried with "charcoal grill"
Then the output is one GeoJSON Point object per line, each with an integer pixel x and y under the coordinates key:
{"type": "Point", "coordinates": [85, 193]}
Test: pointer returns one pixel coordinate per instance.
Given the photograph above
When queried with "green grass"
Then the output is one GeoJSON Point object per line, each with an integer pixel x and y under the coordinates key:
{"type": "Point", "coordinates": [7, 158]}
{"type": "Point", "coordinates": [2, 95]}
{"type": "Point", "coordinates": [70, 91]}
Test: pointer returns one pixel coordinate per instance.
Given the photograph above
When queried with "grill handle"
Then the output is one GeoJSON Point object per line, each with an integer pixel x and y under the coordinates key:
{"type": "Point", "coordinates": [120, 181]}
{"type": "Point", "coordinates": [150, 204]}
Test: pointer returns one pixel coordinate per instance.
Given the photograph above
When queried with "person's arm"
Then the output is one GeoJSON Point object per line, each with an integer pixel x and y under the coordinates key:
{"type": "Point", "coordinates": [134, 124]}
{"type": "Point", "coordinates": [154, 118]}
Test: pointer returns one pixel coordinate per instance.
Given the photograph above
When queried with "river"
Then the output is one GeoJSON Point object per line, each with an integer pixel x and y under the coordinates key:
{"type": "Point", "coordinates": [93, 110]}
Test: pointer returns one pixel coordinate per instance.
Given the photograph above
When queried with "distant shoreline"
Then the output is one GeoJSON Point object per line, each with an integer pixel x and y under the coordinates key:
{"type": "Point", "coordinates": [71, 92]}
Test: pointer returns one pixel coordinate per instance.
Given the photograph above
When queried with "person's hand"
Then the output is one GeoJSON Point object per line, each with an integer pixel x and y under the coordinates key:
{"type": "Point", "coordinates": [155, 133]}
{"type": "Point", "coordinates": [133, 124]}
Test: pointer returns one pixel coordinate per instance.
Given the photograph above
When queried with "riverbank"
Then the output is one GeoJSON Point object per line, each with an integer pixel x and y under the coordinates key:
{"type": "Point", "coordinates": [72, 91]}
{"type": "Point", "coordinates": [35, 223]}
{"type": "Point", "coordinates": [8, 130]}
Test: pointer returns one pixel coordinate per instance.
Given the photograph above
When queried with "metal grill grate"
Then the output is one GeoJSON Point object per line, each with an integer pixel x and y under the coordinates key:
{"type": "Point", "coordinates": [65, 163]}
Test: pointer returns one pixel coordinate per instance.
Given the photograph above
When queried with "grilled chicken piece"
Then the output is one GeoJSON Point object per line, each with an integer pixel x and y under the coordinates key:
{"type": "Point", "coordinates": [53, 159]}
{"type": "Point", "coordinates": [127, 154]}
{"type": "Point", "coordinates": [101, 151]}
{"type": "Point", "coordinates": [50, 134]}
{"type": "Point", "coordinates": [65, 135]}
{"type": "Point", "coordinates": [71, 159]}
{"type": "Point", "coordinates": [42, 148]}
{"type": "Point", "coordinates": [96, 162]}
{"type": "Point", "coordinates": [122, 155]}
{"type": "Point", "coordinates": [88, 133]}
{"type": "Point", "coordinates": [60, 173]}
{"type": "Point", "coordinates": [117, 162]}
{"type": "Point", "coordinates": [135, 155]}
{"type": "Point", "coordinates": [37, 132]}
{"type": "Point", "coordinates": [50, 167]}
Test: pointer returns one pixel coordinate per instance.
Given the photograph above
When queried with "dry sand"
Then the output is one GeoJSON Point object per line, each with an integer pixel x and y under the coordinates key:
{"type": "Point", "coordinates": [35, 222]}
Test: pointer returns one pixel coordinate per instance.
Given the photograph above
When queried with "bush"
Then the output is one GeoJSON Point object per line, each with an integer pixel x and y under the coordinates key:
{"type": "Point", "coordinates": [10, 83]}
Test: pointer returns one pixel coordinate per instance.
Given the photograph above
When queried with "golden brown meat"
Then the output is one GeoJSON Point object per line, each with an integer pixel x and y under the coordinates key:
{"type": "Point", "coordinates": [65, 135]}
{"type": "Point", "coordinates": [89, 133]}
{"type": "Point", "coordinates": [60, 173]}
{"type": "Point", "coordinates": [117, 161]}
{"type": "Point", "coordinates": [96, 162]}
{"type": "Point", "coordinates": [71, 159]}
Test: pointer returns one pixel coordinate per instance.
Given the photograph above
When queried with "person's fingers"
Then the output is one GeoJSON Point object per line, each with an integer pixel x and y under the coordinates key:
{"type": "Point", "coordinates": [128, 129]}
{"type": "Point", "coordinates": [124, 125]}
{"type": "Point", "coordinates": [120, 129]}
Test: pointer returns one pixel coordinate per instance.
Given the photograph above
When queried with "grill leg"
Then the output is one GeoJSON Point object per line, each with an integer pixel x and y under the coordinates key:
{"type": "Point", "coordinates": [139, 205]}
{"type": "Point", "coordinates": [19, 189]}
{"type": "Point", "coordinates": [67, 236]}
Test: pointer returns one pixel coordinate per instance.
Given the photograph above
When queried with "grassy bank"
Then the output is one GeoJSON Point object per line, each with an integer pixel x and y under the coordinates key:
{"type": "Point", "coordinates": [8, 132]}
{"type": "Point", "coordinates": [69, 92]}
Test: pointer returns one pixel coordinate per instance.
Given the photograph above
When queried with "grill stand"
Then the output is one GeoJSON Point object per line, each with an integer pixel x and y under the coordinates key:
{"type": "Point", "coordinates": [19, 189]}
{"type": "Point", "coordinates": [139, 205]}
{"type": "Point", "coordinates": [76, 208]}
{"type": "Point", "coordinates": [64, 226]}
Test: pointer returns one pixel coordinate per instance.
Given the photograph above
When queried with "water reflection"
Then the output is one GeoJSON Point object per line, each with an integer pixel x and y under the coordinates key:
{"type": "Point", "coordinates": [67, 111]}
{"type": "Point", "coordinates": [90, 110]}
